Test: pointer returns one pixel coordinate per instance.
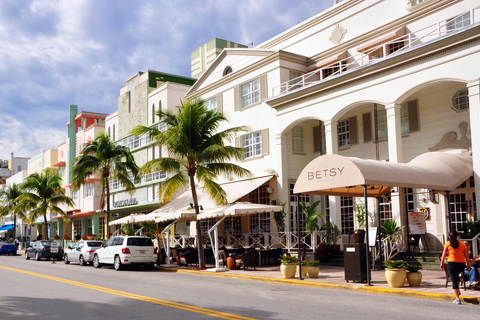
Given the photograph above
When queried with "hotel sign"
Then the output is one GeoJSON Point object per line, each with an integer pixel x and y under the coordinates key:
{"type": "Point", "coordinates": [325, 173]}
{"type": "Point", "coordinates": [124, 203]}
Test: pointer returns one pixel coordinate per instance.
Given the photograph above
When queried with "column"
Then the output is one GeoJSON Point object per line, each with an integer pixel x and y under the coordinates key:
{"type": "Point", "coordinates": [281, 168]}
{"type": "Point", "coordinates": [395, 154]}
{"type": "Point", "coordinates": [474, 109]}
{"type": "Point", "coordinates": [96, 223]}
{"type": "Point", "coordinates": [331, 141]}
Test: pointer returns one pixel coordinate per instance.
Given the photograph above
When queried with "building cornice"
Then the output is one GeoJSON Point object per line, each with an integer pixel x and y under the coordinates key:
{"type": "Point", "coordinates": [390, 63]}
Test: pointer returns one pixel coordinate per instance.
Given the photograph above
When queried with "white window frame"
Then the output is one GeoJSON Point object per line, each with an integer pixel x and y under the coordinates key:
{"type": "Point", "coordinates": [252, 143]}
{"type": "Point", "coordinates": [211, 104]}
{"type": "Point", "coordinates": [298, 145]}
{"type": "Point", "coordinates": [460, 101]}
{"type": "Point", "coordinates": [89, 189]}
{"type": "Point", "coordinates": [343, 133]}
{"type": "Point", "coordinates": [250, 93]}
{"type": "Point", "coordinates": [382, 128]}
{"type": "Point", "coordinates": [458, 22]}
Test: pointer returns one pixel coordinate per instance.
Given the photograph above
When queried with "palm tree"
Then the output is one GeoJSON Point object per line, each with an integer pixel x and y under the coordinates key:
{"type": "Point", "coordinates": [9, 196]}
{"type": "Point", "coordinates": [42, 194]}
{"type": "Point", "coordinates": [103, 157]}
{"type": "Point", "coordinates": [196, 150]}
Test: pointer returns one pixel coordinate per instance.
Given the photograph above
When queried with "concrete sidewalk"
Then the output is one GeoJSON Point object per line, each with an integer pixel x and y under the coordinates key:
{"type": "Point", "coordinates": [432, 287]}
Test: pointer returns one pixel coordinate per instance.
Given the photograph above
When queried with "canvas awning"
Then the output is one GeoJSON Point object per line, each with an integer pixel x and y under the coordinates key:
{"type": "Point", "coordinates": [234, 190]}
{"type": "Point", "coordinates": [127, 219]}
{"type": "Point", "coordinates": [5, 228]}
{"type": "Point", "coordinates": [337, 175]}
{"type": "Point", "coordinates": [180, 216]}
{"type": "Point", "coordinates": [238, 208]}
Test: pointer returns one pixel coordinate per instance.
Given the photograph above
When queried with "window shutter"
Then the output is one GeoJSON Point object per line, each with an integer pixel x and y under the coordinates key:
{"type": "Point", "coordinates": [236, 93]}
{"type": "Point", "coordinates": [353, 130]}
{"type": "Point", "coordinates": [413, 121]}
{"type": "Point", "coordinates": [263, 87]}
{"type": "Point", "coordinates": [238, 143]}
{"type": "Point", "coordinates": [265, 149]}
{"type": "Point", "coordinates": [367, 126]}
{"type": "Point", "coordinates": [220, 103]}
{"type": "Point", "coordinates": [317, 139]}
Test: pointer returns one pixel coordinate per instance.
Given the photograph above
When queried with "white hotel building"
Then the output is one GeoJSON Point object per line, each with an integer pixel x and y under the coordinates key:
{"type": "Point", "coordinates": [387, 80]}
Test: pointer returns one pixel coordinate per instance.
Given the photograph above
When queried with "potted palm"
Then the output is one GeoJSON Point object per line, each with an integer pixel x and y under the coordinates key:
{"type": "Point", "coordinates": [288, 266]}
{"type": "Point", "coordinates": [395, 273]}
{"type": "Point", "coordinates": [359, 234]}
{"type": "Point", "coordinates": [414, 276]}
{"type": "Point", "coordinates": [313, 268]}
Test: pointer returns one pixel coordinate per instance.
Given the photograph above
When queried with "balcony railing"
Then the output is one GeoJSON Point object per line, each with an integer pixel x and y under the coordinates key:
{"type": "Point", "coordinates": [380, 52]}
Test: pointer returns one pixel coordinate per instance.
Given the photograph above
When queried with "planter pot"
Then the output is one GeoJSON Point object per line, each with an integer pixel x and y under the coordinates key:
{"type": "Point", "coordinates": [414, 279]}
{"type": "Point", "coordinates": [288, 270]}
{"type": "Point", "coordinates": [304, 271]}
{"type": "Point", "coordinates": [395, 277]}
{"type": "Point", "coordinates": [91, 237]}
{"type": "Point", "coordinates": [231, 263]}
{"type": "Point", "coordinates": [313, 271]}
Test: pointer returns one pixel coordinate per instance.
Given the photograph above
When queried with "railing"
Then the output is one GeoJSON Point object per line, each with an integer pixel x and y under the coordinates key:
{"type": "Point", "coordinates": [284, 240]}
{"type": "Point", "coordinates": [378, 53]}
{"type": "Point", "coordinates": [473, 243]}
{"type": "Point", "coordinates": [393, 244]}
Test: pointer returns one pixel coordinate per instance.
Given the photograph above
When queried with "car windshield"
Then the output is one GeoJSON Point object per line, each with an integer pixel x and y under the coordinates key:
{"type": "Point", "coordinates": [46, 243]}
{"type": "Point", "coordinates": [94, 243]}
{"type": "Point", "coordinates": [139, 242]}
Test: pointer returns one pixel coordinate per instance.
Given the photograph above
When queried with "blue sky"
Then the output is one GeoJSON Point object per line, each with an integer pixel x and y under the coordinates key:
{"type": "Point", "coordinates": [55, 53]}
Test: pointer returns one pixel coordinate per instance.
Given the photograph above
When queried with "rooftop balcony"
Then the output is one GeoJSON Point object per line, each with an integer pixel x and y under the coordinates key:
{"type": "Point", "coordinates": [374, 54]}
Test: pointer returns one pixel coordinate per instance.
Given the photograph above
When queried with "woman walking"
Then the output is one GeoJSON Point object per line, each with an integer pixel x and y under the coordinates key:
{"type": "Point", "coordinates": [457, 253]}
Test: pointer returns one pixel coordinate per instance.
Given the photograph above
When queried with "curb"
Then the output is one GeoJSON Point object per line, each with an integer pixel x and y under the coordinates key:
{"type": "Point", "coordinates": [397, 292]}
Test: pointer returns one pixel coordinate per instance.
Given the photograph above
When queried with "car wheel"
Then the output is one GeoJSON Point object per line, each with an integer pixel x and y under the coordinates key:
{"type": "Point", "coordinates": [26, 256]}
{"type": "Point", "coordinates": [81, 260]}
{"type": "Point", "coordinates": [96, 262]}
{"type": "Point", "coordinates": [37, 257]}
{"type": "Point", "coordinates": [117, 263]}
{"type": "Point", "coordinates": [149, 266]}
{"type": "Point", "coordinates": [65, 260]}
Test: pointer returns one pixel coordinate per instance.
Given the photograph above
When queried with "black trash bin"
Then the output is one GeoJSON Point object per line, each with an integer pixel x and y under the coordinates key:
{"type": "Point", "coordinates": [355, 262]}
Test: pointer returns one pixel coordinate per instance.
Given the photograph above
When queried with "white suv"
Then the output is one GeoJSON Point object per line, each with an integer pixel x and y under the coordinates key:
{"type": "Point", "coordinates": [126, 251]}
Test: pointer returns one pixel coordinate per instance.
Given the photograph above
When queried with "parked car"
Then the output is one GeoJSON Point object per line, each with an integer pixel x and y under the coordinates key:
{"type": "Point", "coordinates": [124, 251]}
{"type": "Point", "coordinates": [8, 248]}
{"type": "Point", "coordinates": [44, 249]}
{"type": "Point", "coordinates": [81, 252]}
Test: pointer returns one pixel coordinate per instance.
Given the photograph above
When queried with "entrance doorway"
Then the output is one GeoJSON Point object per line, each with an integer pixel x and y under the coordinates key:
{"type": "Point", "coordinates": [463, 205]}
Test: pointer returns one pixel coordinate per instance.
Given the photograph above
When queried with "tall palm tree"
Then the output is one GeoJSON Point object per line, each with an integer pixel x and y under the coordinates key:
{"type": "Point", "coordinates": [103, 157]}
{"type": "Point", "coordinates": [42, 193]}
{"type": "Point", "coordinates": [9, 197]}
{"type": "Point", "coordinates": [196, 150]}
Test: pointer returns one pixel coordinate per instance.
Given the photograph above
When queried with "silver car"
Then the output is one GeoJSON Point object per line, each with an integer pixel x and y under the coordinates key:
{"type": "Point", "coordinates": [82, 251]}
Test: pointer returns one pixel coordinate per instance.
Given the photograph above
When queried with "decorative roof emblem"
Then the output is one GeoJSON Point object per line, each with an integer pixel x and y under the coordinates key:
{"type": "Point", "coordinates": [337, 34]}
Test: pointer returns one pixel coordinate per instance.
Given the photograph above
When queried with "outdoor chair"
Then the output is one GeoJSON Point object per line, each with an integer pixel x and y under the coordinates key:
{"type": "Point", "coordinates": [188, 257]}
{"type": "Point", "coordinates": [222, 255]}
{"type": "Point", "coordinates": [248, 259]}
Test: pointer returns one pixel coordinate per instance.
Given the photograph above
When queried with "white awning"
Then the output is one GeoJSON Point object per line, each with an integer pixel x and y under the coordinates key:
{"type": "Point", "coordinates": [126, 220]}
{"type": "Point", "coordinates": [334, 174]}
{"type": "Point", "coordinates": [180, 216]}
{"type": "Point", "coordinates": [234, 190]}
{"type": "Point", "coordinates": [238, 208]}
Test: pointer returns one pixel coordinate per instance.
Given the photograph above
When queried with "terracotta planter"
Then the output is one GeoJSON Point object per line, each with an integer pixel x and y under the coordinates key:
{"type": "Point", "coordinates": [304, 271]}
{"type": "Point", "coordinates": [395, 277]}
{"type": "Point", "coordinates": [231, 263]}
{"type": "Point", "coordinates": [288, 270]}
{"type": "Point", "coordinates": [359, 236]}
{"type": "Point", "coordinates": [313, 271]}
{"type": "Point", "coordinates": [414, 279]}
{"type": "Point", "coordinates": [91, 237]}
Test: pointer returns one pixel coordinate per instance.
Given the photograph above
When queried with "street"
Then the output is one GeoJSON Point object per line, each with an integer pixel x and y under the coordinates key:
{"type": "Point", "coordinates": [43, 289]}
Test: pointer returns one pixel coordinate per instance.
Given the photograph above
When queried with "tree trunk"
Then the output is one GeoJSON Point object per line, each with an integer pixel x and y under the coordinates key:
{"type": "Point", "coordinates": [201, 258]}
{"type": "Point", "coordinates": [46, 226]}
{"type": "Point", "coordinates": [14, 226]}
{"type": "Point", "coordinates": [108, 207]}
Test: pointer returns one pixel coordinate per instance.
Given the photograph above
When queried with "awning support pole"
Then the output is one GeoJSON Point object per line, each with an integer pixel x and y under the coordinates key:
{"type": "Point", "coordinates": [367, 251]}
{"type": "Point", "coordinates": [214, 243]}
{"type": "Point", "coordinates": [166, 243]}
{"type": "Point", "coordinates": [299, 240]}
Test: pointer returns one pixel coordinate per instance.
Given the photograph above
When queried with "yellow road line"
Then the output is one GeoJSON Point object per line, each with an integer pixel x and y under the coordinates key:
{"type": "Point", "coordinates": [171, 304]}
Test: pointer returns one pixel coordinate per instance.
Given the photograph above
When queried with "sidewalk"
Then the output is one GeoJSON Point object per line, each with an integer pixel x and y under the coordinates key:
{"type": "Point", "coordinates": [332, 277]}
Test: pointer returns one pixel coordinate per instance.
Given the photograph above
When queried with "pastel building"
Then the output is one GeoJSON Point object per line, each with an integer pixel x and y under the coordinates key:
{"type": "Point", "coordinates": [388, 89]}
{"type": "Point", "coordinates": [86, 217]}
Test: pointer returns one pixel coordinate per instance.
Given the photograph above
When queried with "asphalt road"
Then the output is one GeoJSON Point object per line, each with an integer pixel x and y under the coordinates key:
{"type": "Point", "coordinates": [45, 290]}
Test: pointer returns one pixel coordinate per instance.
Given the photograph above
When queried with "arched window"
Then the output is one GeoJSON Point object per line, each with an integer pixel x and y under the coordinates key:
{"type": "Point", "coordinates": [227, 70]}
{"type": "Point", "coordinates": [113, 137]}
{"type": "Point", "coordinates": [109, 132]}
